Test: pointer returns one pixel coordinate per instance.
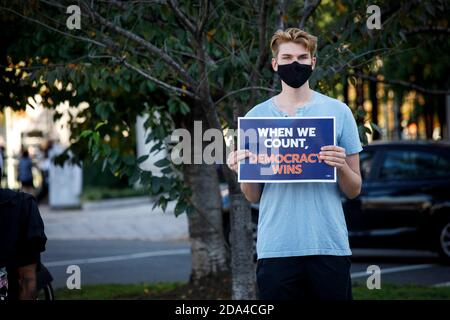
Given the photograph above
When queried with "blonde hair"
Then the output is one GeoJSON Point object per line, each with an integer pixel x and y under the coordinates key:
{"type": "Point", "coordinates": [293, 35]}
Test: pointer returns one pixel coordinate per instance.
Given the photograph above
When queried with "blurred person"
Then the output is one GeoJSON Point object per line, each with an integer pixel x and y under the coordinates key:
{"type": "Point", "coordinates": [44, 167]}
{"type": "Point", "coordinates": [25, 174]}
{"type": "Point", "coordinates": [22, 239]}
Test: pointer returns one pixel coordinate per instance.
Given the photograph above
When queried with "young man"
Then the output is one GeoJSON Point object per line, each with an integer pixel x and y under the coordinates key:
{"type": "Point", "coordinates": [302, 247]}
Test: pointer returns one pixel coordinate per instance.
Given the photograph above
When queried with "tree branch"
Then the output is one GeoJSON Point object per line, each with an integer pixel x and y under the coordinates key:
{"type": "Point", "coordinates": [281, 7]}
{"type": "Point", "coordinates": [402, 83]}
{"type": "Point", "coordinates": [262, 41]}
{"type": "Point", "coordinates": [185, 21]}
{"type": "Point", "coordinates": [243, 89]}
{"type": "Point", "coordinates": [52, 28]}
{"type": "Point", "coordinates": [432, 29]}
{"type": "Point", "coordinates": [159, 82]}
{"type": "Point", "coordinates": [142, 72]}
{"type": "Point", "coordinates": [309, 10]}
{"type": "Point", "coordinates": [148, 45]}
{"type": "Point", "coordinates": [203, 17]}
{"type": "Point", "coordinates": [262, 48]}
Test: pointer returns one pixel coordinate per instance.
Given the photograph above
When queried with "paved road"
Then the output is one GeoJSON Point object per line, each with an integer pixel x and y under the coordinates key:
{"type": "Point", "coordinates": [135, 261]}
{"type": "Point", "coordinates": [115, 222]}
{"type": "Point", "coordinates": [118, 261]}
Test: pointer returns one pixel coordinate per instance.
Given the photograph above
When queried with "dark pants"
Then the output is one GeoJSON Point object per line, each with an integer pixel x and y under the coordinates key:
{"type": "Point", "coordinates": [322, 277]}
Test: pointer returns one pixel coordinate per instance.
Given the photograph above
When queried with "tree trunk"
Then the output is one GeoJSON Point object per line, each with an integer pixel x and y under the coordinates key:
{"type": "Point", "coordinates": [446, 105]}
{"type": "Point", "coordinates": [374, 101]}
{"type": "Point", "coordinates": [345, 91]}
{"type": "Point", "coordinates": [359, 93]}
{"type": "Point", "coordinates": [208, 251]}
{"type": "Point", "coordinates": [398, 97]}
{"type": "Point", "coordinates": [360, 116]}
{"type": "Point", "coordinates": [240, 208]}
{"type": "Point", "coordinates": [429, 114]}
{"type": "Point", "coordinates": [242, 265]}
{"type": "Point", "coordinates": [210, 256]}
{"type": "Point", "coordinates": [440, 112]}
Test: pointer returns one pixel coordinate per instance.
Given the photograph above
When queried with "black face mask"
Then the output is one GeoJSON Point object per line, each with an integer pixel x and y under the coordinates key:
{"type": "Point", "coordinates": [294, 74]}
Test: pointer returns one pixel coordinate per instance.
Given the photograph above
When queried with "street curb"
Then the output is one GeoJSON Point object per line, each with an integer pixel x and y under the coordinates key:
{"type": "Point", "coordinates": [116, 203]}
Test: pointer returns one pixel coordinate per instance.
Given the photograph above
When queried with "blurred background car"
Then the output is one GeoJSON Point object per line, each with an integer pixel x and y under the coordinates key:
{"type": "Point", "coordinates": [404, 201]}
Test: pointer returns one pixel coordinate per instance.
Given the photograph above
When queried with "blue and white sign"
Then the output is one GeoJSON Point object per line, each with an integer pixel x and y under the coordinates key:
{"type": "Point", "coordinates": [285, 149]}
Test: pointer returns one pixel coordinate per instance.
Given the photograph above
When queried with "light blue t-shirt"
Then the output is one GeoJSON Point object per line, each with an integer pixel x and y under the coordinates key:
{"type": "Point", "coordinates": [300, 219]}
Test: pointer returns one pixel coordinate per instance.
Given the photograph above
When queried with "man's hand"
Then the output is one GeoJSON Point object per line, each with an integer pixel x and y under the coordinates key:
{"type": "Point", "coordinates": [349, 175]}
{"type": "Point", "coordinates": [252, 191]}
{"type": "Point", "coordinates": [334, 156]}
{"type": "Point", "coordinates": [27, 282]}
{"type": "Point", "coordinates": [235, 156]}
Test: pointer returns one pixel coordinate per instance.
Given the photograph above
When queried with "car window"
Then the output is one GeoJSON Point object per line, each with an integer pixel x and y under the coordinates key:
{"type": "Point", "coordinates": [407, 164]}
{"type": "Point", "coordinates": [365, 162]}
{"type": "Point", "coordinates": [443, 166]}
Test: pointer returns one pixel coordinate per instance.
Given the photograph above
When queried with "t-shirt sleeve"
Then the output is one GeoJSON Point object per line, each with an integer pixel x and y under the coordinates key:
{"type": "Point", "coordinates": [32, 238]}
{"type": "Point", "coordinates": [349, 138]}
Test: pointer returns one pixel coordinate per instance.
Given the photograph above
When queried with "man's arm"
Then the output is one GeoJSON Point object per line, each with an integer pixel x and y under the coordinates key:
{"type": "Point", "coordinates": [349, 177]}
{"type": "Point", "coordinates": [31, 244]}
{"type": "Point", "coordinates": [27, 282]}
{"type": "Point", "coordinates": [348, 172]}
{"type": "Point", "coordinates": [252, 191]}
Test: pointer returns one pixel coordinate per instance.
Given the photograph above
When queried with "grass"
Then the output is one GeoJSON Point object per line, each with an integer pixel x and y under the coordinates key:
{"type": "Point", "coordinates": [401, 292]}
{"type": "Point", "coordinates": [98, 193]}
{"type": "Point", "coordinates": [174, 290]}
{"type": "Point", "coordinates": [118, 291]}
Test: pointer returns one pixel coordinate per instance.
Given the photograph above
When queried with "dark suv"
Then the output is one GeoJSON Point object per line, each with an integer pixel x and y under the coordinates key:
{"type": "Point", "coordinates": [404, 201]}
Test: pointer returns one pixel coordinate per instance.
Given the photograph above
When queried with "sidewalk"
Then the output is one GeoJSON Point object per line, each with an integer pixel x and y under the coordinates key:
{"type": "Point", "coordinates": [132, 221]}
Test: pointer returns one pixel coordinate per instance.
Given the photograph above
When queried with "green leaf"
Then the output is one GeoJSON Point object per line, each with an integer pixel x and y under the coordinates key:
{"type": "Point", "coordinates": [362, 134]}
{"type": "Point", "coordinates": [172, 106]}
{"type": "Point", "coordinates": [156, 184]}
{"type": "Point", "coordinates": [105, 162]}
{"type": "Point", "coordinates": [166, 184]}
{"type": "Point", "coordinates": [361, 113]}
{"type": "Point", "coordinates": [375, 127]}
{"type": "Point", "coordinates": [100, 124]}
{"type": "Point", "coordinates": [146, 178]}
{"type": "Point", "coordinates": [134, 178]}
{"type": "Point", "coordinates": [103, 110]}
{"type": "Point", "coordinates": [94, 83]}
{"type": "Point", "coordinates": [85, 133]}
{"type": "Point", "coordinates": [162, 163]}
{"type": "Point", "coordinates": [129, 160]}
{"type": "Point", "coordinates": [114, 156]}
{"type": "Point", "coordinates": [156, 147]}
{"type": "Point", "coordinates": [142, 158]}
{"type": "Point", "coordinates": [151, 86]}
{"type": "Point", "coordinates": [190, 209]}
{"type": "Point", "coordinates": [173, 194]}
{"type": "Point", "coordinates": [106, 149]}
{"type": "Point", "coordinates": [180, 207]}
{"type": "Point", "coordinates": [163, 202]}
{"type": "Point", "coordinates": [126, 86]}
{"type": "Point", "coordinates": [166, 170]}
{"type": "Point", "coordinates": [184, 108]}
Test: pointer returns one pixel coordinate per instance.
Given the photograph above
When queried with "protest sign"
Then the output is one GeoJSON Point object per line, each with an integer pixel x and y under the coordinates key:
{"type": "Point", "coordinates": [285, 149]}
